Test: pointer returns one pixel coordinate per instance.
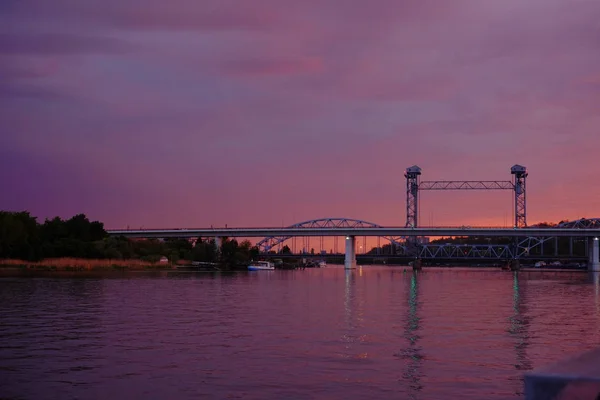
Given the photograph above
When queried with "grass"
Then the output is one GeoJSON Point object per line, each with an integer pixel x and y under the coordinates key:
{"type": "Point", "coordinates": [82, 264]}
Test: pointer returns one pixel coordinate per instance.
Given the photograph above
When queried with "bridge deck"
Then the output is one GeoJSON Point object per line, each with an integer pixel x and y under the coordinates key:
{"type": "Point", "coordinates": [360, 231]}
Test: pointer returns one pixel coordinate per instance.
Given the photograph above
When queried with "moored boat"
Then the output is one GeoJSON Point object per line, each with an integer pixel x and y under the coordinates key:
{"type": "Point", "coordinates": [261, 265]}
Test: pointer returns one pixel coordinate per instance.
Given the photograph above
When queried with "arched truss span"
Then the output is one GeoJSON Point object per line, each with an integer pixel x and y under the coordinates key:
{"type": "Point", "coordinates": [269, 243]}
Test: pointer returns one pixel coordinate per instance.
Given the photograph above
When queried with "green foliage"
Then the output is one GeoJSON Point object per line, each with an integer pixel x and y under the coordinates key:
{"type": "Point", "coordinates": [19, 236]}
{"type": "Point", "coordinates": [204, 251]}
{"type": "Point", "coordinates": [286, 250]}
{"type": "Point", "coordinates": [22, 237]}
{"type": "Point", "coordinates": [254, 252]}
{"type": "Point", "coordinates": [233, 254]}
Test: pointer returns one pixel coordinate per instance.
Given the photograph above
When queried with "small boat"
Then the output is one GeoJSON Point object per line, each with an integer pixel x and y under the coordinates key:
{"type": "Point", "coordinates": [199, 266]}
{"type": "Point", "coordinates": [261, 265]}
{"type": "Point", "coordinates": [313, 263]}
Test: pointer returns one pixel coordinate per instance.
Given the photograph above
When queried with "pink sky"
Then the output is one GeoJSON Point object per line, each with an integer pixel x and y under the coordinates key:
{"type": "Point", "coordinates": [267, 112]}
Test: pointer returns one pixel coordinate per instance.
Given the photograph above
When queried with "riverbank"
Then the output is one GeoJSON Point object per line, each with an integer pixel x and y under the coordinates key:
{"type": "Point", "coordinates": [79, 265]}
{"type": "Point", "coordinates": [83, 264]}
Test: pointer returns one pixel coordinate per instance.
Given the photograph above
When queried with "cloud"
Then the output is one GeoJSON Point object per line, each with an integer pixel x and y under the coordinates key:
{"type": "Point", "coordinates": [56, 43]}
{"type": "Point", "coordinates": [213, 100]}
{"type": "Point", "coordinates": [265, 67]}
{"type": "Point", "coordinates": [148, 14]}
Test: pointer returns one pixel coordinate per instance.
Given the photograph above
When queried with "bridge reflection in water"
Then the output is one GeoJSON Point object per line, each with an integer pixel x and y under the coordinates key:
{"type": "Point", "coordinates": [518, 330]}
{"type": "Point", "coordinates": [595, 278]}
{"type": "Point", "coordinates": [349, 298]}
{"type": "Point", "coordinates": [519, 324]}
{"type": "Point", "coordinates": [353, 316]}
{"type": "Point", "coordinates": [516, 312]}
{"type": "Point", "coordinates": [412, 354]}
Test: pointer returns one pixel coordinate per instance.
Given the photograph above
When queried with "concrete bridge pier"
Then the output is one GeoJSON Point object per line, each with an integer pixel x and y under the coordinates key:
{"type": "Point", "coordinates": [417, 264]}
{"type": "Point", "coordinates": [514, 264]}
{"type": "Point", "coordinates": [594, 254]}
{"type": "Point", "coordinates": [218, 244]}
{"type": "Point", "coordinates": [350, 259]}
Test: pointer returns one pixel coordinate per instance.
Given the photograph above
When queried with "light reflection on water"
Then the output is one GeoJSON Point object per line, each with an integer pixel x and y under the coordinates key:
{"type": "Point", "coordinates": [519, 324]}
{"type": "Point", "coordinates": [372, 332]}
{"type": "Point", "coordinates": [412, 353]}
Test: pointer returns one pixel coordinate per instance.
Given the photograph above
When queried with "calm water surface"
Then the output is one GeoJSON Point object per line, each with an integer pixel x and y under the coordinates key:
{"type": "Point", "coordinates": [370, 333]}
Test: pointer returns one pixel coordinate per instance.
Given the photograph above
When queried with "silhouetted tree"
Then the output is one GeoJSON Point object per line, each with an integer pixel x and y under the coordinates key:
{"type": "Point", "coordinates": [19, 236]}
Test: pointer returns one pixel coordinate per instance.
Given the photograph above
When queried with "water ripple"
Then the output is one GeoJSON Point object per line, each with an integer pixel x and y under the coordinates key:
{"type": "Point", "coordinates": [325, 333]}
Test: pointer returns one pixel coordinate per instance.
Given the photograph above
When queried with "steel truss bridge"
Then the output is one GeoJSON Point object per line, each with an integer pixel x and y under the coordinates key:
{"type": "Point", "coordinates": [525, 238]}
{"type": "Point", "coordinates": [402, 247]}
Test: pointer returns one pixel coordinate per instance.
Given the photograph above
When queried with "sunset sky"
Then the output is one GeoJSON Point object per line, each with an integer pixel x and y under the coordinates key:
{"type": "Point", "coordinates": [190, 113]}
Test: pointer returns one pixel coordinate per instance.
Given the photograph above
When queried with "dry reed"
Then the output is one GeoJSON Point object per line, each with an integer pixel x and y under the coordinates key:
{"type": "Point", "coordinates": [82, 264]}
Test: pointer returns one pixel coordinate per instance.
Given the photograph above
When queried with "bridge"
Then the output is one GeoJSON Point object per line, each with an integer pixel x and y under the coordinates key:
{"type": "Point", "coordinates": [350, 234]}
{"type": "Point", "coordinates": [407, 237]}
{"type": "Point", "coordinates": [361, 231]}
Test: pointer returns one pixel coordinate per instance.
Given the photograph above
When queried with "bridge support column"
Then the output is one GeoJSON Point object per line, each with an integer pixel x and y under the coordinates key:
{"type": "Point", "coordinates": [514, 264]}
{"type": "Point", "coordinates": [218, 243]}
{"type": "Point", "coordinates": [594, 254]}
{"type": "Point", "coordinates": [350, 260]}
{"type": "Point", "coordinates": [417, 264]}
{"type": "Point", "coordinates": [571, 247]}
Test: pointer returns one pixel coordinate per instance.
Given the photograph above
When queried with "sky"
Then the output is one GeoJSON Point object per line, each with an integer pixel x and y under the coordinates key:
{"type": "Point", "coordinates": [154, 114]}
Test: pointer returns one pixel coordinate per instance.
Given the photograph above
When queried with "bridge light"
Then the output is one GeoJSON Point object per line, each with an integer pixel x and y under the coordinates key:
{"type": "Point", "coordinates": [595, 238]}
{"type": "Point", "coordinates": [348, 238]}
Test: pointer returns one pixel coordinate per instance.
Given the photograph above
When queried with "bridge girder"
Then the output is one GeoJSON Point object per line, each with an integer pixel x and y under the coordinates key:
{"type": "Point", "coordinates": [466, 185]}
{"type": "Point", "coordinates": [466, 251]}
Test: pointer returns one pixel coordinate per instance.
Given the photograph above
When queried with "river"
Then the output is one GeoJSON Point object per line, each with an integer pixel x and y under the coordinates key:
{"type": "Point", "coordinates": [371, 333]}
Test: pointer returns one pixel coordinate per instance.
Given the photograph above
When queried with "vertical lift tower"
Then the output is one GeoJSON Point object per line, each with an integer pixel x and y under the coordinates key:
{"type": "Point", "coordinates": [518, 185]}
{"type": "Point", "coordinates": [414, 185]}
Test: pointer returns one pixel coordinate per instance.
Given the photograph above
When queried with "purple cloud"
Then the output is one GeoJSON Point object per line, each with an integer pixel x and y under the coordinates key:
{"type": "Point", "coordinates": [57, 44]}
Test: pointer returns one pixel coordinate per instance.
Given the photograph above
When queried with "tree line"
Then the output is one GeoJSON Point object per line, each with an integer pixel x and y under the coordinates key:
{"type": "Point", "coordinates": [23, 237]}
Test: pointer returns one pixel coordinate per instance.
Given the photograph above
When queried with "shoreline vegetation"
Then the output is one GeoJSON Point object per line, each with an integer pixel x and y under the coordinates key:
{"type": "Point", "coordinates": [84, 264]}
{"type": "Point", "coordinates": [80, 244]}
{"type": "Point", "coordinates": [87, 264]}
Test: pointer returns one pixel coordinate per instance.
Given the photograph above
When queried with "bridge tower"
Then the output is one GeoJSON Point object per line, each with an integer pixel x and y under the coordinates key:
{"type": "Point", "coordinates": [414, 185]}
{"type": "Point", "coordinates": [412, 196]}
{"type": "Point", "coordinates": [520, 175]}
